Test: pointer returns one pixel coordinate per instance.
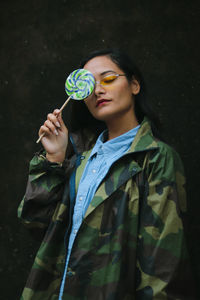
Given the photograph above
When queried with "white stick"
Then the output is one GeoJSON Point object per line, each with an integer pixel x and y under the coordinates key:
{"type": "Point", "coordinates": [61, 109]}
{"type": "Point", "coordinates": [63, 106]}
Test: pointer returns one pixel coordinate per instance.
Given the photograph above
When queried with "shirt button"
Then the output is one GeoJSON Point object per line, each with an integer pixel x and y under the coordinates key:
{"type": "Point", "coordinates": [80, 198]}
{"type": "Point", "coordinates": [93, 171]}
{"type": "Point", "coordinates": [75, 231]}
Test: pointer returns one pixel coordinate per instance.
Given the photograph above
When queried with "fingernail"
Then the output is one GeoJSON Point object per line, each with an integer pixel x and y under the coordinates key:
{"type": "Point", "coordinates": [57, 124]}
{"type": "Point", "coordinates": [56, 132]}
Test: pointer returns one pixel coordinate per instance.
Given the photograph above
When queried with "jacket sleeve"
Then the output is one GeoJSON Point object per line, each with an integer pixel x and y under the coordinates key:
{"type": "Point", "coordinates": [44, 190]}
{"type": "Point", "coordinates": [163, 265]}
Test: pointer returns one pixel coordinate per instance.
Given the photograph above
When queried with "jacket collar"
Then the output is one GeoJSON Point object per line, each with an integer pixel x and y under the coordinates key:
{"type": "Point", "coordinates": [144, 139]}
{"type": "Point", "coordinates": [125, 168]}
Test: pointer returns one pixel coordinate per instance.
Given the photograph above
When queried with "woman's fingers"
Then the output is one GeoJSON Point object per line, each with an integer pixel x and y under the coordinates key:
{"type": "Point", "coordinates": [56, 112]}
{"type": "Point", "coordinates": [58, 115]}
{"type": "Point", "coordinates": [52, 127]}
{"type": "Point", "coordinates": [54, 124]}
{"type": "Point", "coordinates": [54, 120]}
{"type": "Point", "coordinates": [44, 129]}
{"type": "Point", "coordinates": [48, 128]}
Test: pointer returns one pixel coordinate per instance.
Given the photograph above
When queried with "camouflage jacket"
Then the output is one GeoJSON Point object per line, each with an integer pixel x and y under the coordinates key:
{"type": "Point", "coordinates": [131, 243]}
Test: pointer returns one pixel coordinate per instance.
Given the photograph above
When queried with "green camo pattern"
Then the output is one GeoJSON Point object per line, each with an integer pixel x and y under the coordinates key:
{"type": "Point", "coordinates": [131, 243]}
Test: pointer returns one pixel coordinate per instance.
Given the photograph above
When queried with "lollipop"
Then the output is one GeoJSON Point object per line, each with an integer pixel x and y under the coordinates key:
{"type": "Point", "coordinates": [79, 85]}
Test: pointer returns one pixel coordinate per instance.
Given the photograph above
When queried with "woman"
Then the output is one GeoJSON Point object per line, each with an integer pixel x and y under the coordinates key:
{"type": "Point", "coordinates": [110, 205]}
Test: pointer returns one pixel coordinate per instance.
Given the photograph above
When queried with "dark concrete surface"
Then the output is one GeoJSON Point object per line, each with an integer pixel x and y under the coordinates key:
{"type": "Point", "coordinates": [41, 42]}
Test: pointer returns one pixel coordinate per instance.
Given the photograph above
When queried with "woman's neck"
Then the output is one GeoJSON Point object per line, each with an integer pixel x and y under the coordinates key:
{"type": "Point", "coordinates": [117, 127]}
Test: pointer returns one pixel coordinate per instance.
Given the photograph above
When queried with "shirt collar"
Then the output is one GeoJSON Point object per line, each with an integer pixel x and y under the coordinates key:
{"type": "Point", "coordinates": [123, 138]}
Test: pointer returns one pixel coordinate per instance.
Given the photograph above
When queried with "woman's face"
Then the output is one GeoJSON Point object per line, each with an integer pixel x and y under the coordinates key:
{"type": "Point", "coordinates": [114, 100]}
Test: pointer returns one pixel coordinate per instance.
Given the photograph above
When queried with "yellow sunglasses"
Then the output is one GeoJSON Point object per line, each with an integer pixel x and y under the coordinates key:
{"type": "Point", "coordinates": [109, 79]}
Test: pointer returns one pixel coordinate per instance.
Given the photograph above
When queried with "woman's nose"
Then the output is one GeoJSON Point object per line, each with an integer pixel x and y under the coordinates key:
{"type": "Point", "coordinates": [99, 89]}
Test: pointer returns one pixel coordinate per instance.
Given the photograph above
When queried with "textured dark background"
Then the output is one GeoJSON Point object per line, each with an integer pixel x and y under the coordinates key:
{"type": "Point", "coordinates": [41, 43]}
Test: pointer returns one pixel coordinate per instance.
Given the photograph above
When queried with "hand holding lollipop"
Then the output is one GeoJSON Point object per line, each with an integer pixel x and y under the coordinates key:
{"type": "Point", "coordinates": [54, 134]}
{"type": "Point", "coordinates": [79, 85]}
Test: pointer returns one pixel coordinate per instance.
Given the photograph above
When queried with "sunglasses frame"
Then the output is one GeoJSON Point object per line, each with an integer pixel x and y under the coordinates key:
{"type": "Point", "coordinates": [116, 76]}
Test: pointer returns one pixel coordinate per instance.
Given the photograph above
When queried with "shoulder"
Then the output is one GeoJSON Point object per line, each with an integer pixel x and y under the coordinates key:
{"type": "Point", "coordinates": [165, 170]}
{"type": "Point", "coordinates": [166, 159]}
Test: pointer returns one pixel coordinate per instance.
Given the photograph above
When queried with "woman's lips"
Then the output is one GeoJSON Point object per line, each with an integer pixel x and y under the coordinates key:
{"type": "Point", "coordinates": [102, 102]}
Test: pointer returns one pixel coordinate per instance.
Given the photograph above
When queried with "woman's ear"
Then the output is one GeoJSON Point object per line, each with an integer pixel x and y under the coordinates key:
{"type": "Point", "coordinates": [135, 86]}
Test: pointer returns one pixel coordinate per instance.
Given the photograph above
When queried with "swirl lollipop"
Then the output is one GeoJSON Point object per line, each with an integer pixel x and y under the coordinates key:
{"type": "Point", "coordinates": [79, 85]}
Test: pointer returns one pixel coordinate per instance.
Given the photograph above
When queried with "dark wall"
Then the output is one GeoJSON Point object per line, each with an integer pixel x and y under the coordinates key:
{"type": "Point", "coordinates": [41, 43]}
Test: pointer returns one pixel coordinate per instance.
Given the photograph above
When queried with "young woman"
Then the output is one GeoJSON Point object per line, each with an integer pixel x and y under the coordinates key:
{"type": "Point", "coordinates": [108, 197]}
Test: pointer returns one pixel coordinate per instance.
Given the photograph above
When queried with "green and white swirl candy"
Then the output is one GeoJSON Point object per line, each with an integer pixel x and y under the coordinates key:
{"type": "Point", "coordinates": [79, 84]}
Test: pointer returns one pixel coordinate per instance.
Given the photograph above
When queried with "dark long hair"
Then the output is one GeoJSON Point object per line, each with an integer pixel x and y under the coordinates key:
{"type": "Point", "coordinates": [82, 118]}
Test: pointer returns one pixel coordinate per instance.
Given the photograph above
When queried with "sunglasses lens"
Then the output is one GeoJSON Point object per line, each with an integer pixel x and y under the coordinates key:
{"type": "Point", "coordinates": [108, 79]}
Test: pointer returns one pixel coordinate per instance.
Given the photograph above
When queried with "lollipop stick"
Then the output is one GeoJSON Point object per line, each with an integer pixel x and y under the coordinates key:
{"type": "Point", "coordinates": [61, 109]}
{"type": "Point", "coordinates": [63, 106]}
